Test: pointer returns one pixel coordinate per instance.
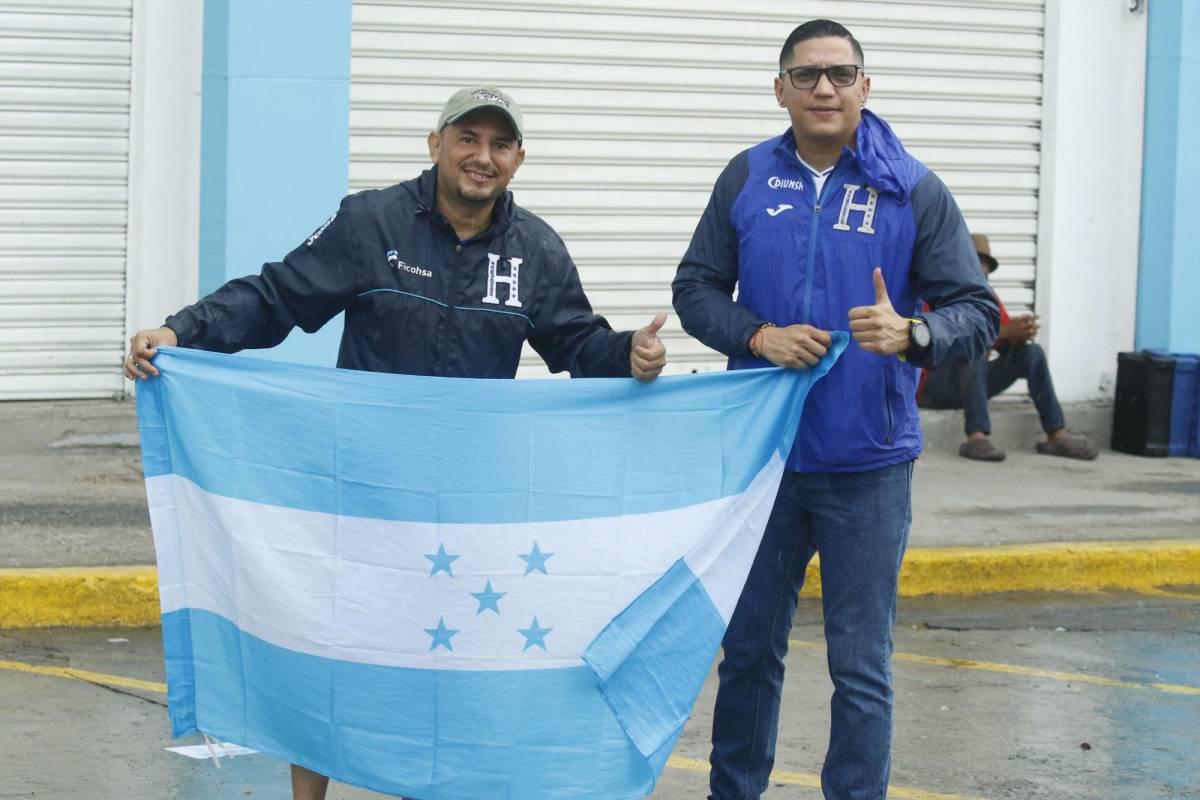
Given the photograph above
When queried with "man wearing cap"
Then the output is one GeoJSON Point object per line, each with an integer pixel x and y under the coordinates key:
{"type": "Point", "coordinates": [969, 384]}
{"type": "Point", "coordinates": [443, 274]}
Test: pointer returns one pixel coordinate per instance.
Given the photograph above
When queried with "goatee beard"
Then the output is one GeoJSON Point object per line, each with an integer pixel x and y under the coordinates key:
{"type": "Point", "coordinates": [475, 199]}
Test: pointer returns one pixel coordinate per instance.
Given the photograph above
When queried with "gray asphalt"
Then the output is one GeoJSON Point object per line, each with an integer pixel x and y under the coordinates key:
{"type": "Point", "coordinates": [1064, 710]}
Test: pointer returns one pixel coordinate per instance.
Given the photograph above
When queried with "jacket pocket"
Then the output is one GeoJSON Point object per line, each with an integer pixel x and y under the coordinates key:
{"type": "Point", "coordinates": [889, 419]}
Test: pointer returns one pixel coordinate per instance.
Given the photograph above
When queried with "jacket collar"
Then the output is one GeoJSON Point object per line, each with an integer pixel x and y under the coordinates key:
{"type": "Point", "coordinates": [877, 149]}
{"type": "Point", "coordinates": [424, 190]}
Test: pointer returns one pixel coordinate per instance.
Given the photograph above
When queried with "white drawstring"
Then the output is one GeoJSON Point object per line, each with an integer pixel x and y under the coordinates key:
{"type": "Point", "coordinates": [208, 742]}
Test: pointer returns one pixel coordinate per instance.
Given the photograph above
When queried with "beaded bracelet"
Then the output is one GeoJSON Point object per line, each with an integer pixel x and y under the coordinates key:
{"type": "Point", "coordinates": [756, 339]}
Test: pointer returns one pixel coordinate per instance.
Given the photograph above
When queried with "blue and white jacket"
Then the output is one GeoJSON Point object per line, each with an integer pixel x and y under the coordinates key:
{"type": "Point", "coordinates": [797, 258]}
{"type": "Point", "coordinates": [417, 300]}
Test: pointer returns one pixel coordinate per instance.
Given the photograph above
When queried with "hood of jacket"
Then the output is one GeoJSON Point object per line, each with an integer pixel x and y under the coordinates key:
{"type": "Point", "coordinates": [879, 153]}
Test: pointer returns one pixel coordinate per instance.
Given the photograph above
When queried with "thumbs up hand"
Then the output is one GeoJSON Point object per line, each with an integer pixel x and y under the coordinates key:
{"type": "Point", "coordinates": [647, 353]}
{"type": "Point", "coordinates": [878, 328]}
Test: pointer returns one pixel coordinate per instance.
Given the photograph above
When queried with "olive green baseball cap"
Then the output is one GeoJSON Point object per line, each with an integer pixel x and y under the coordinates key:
{"type": "Point", "coordinates": [473, 98]}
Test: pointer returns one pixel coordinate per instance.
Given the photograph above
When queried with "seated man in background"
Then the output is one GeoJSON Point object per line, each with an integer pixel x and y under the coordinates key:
{"type": "Point", "coordinates": [969, 385]}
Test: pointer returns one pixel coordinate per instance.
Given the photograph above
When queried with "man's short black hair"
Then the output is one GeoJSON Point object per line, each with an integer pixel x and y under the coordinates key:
{"type": "Point", "coordinates": [817, 29]}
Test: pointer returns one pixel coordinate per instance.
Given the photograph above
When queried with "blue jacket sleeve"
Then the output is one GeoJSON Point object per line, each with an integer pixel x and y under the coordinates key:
{"type": "Point", "coordinates": [312, 284]}
{"type": "Point", "coordinates": [570, 336]}
{"type": "Point", "coordinates": [965, 318]}
{"type": "Point", "coordinates": [704, 283]}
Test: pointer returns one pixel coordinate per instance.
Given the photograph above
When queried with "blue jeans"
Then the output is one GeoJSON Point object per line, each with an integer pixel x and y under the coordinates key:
{"type": "Point", "coordinates": [969, 385]}
{"type": "Point", "coordinates": [858, 523]}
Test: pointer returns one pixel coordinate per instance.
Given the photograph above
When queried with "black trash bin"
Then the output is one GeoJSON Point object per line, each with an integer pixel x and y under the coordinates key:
{"type": "Point", "coordinates": [1142, 411]}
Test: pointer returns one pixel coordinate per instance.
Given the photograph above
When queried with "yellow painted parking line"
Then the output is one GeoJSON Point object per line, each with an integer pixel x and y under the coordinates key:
{"type": "Point", "coordinates": [1173, 594]}
{"type": "Point", "coordinates": [1033, 672]}
{"type": "Point", "coordinates": [814, 781]}
{"type": "Point", "coordinates": [85, 675]}
{"type": "Point", "coordinates": [786, 777]}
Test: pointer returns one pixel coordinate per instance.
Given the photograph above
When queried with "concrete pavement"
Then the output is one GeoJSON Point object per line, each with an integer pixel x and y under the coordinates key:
{"type": "Point", "coordinates": [1000, 697]}
{"type": "Point", "coordinates": [75, 544]}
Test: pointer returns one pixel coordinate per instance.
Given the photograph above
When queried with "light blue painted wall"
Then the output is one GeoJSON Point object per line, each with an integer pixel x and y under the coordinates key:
{"type": "Point", "coordinates": [275, 140]}
{"type": "Point", "coordinates": [1169, 259]}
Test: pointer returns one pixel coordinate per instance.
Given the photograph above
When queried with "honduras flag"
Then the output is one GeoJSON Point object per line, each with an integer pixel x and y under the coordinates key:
{"type": "Point", "coordinates": [454, 588]}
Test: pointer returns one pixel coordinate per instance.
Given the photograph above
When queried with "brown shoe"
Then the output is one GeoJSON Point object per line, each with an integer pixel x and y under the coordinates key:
{"type": "Point", "coordinates": [1068, 447]}
{"type": "Point", "coordinates": [981, 450]}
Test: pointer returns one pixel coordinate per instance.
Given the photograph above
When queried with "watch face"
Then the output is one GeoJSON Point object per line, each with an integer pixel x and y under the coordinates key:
{"type": "Point", "coordinates": [920, 334]}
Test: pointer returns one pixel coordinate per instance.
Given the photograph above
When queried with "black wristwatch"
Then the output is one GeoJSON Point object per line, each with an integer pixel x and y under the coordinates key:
{"type": "Point", "coordinates": [918, 334]}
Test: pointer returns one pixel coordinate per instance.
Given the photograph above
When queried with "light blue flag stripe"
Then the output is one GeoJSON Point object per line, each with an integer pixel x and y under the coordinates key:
{"type": "Point", "coordinates": [273, 699]}
{"type": "Point", "coordinates": [413, 448]}
{"type": "Point", "coordinates": [541, 727]}
{"type": "Point", "coordinates": [674, 622]}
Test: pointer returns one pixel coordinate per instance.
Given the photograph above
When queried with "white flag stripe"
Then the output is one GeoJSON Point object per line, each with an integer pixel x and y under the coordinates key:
{"type": "Point", "coordinates": [723, 559]}
{"type": "Point", "coordinates": [268, 570]}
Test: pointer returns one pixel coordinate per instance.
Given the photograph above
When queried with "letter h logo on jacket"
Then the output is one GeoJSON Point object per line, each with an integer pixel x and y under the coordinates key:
{"type": "Point", "coordinates": [514, 270]}
{"type": "Point", "coordinates": [848, 205]}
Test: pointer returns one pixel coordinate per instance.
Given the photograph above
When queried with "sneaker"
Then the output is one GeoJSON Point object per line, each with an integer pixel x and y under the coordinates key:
{"type": "Point", "coordinates": [1068, 447]}
{"type": "Point", "coordinates": [981, 450]}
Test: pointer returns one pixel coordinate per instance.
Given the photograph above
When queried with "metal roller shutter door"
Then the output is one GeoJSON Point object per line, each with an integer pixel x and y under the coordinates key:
{"type": "Point", "coordinates": [633, 108]}
{"type": "Point", "coordinates": [64, 123]}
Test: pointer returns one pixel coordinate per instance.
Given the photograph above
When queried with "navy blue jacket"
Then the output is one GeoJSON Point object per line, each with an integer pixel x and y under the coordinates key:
{"type": "Point", "coordinates": [795, 258]}
{"type": "Point", "coordinates": [417, 300]}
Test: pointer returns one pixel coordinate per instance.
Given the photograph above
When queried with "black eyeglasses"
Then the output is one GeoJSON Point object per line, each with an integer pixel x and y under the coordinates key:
{"type": "Point", "coordinates": [840, 75]}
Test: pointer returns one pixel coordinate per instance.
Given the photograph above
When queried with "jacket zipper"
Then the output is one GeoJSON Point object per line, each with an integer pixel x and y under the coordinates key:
{"type": "Point", "coordinates": [812, 251]}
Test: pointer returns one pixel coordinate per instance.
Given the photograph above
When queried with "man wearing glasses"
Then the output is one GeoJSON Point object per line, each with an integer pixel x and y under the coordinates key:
{"type": "Point", "coordinates": [831, 226]}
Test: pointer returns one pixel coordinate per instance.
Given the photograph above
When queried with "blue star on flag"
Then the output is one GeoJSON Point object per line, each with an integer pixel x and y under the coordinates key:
{"type": "Point", "coordinates": [441, 635]}
{"type": "Point", "coordinates": [535, 560]}
{"type": "Point", "coordinates": [488, 599]}
{"type": "Point", "coordinates": [441, 561]}
{"type": "Point", "coordinates": [534, 634]}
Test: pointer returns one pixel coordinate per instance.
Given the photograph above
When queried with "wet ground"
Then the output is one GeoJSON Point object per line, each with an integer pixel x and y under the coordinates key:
{"type": "Point", "coordinates": [1030, 697]}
